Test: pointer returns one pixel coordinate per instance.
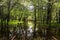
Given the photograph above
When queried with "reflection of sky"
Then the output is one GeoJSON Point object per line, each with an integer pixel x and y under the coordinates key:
{"type": "Point", "coordinates": [30, 29]}
{"type": "Point", "coordinates": [36, 29]}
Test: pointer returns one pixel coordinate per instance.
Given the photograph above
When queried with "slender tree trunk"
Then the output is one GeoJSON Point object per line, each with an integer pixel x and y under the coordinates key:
{"type": "Point", "coordinates": [59, 16]}
{"type": "Point", "coordinates": [59, 28]}
{"type": "Point", "coordinates": [35, 21]}
{"type": "Point", "coordinates": [8, 18]}
{"type": "Point", "coordinates": [49, 21]}
{"type": "Point", "coordinates": [1, 13]}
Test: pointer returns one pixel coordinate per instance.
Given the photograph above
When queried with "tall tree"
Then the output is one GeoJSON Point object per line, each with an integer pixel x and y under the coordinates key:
{"type": "Point", "coordinates": [49, 20]}
{"type": "Point", "coordinates": [1, 18]}
{"type": "Point", "coordinates": [59, 16]}
{"type": "Point", "coordinates": [8, 18]}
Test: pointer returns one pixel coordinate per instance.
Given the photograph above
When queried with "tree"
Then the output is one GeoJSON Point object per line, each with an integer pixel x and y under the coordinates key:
{"type": "Point", "coordinates": [49, 20]}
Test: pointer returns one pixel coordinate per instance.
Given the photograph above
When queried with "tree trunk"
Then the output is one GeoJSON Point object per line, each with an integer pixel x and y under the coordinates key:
{"type": "Point", "coordinates": [48, 35]}
{"type": "Point", "coordinates": [59, 16]}
{"type": "Point", "coordinates": [34, 21]}
{"type": "Point", "coordinates": [8, 18]}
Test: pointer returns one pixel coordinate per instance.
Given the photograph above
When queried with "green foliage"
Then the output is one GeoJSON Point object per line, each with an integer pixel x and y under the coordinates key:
{"type": "Point", "coordinates": [19, 10]}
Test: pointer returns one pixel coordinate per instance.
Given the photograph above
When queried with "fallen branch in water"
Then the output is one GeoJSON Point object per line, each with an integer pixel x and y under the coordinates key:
{"type": "Point", "coordinates": [54, 38]}
{"type": "Point", "coordinates": [13, 37]}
